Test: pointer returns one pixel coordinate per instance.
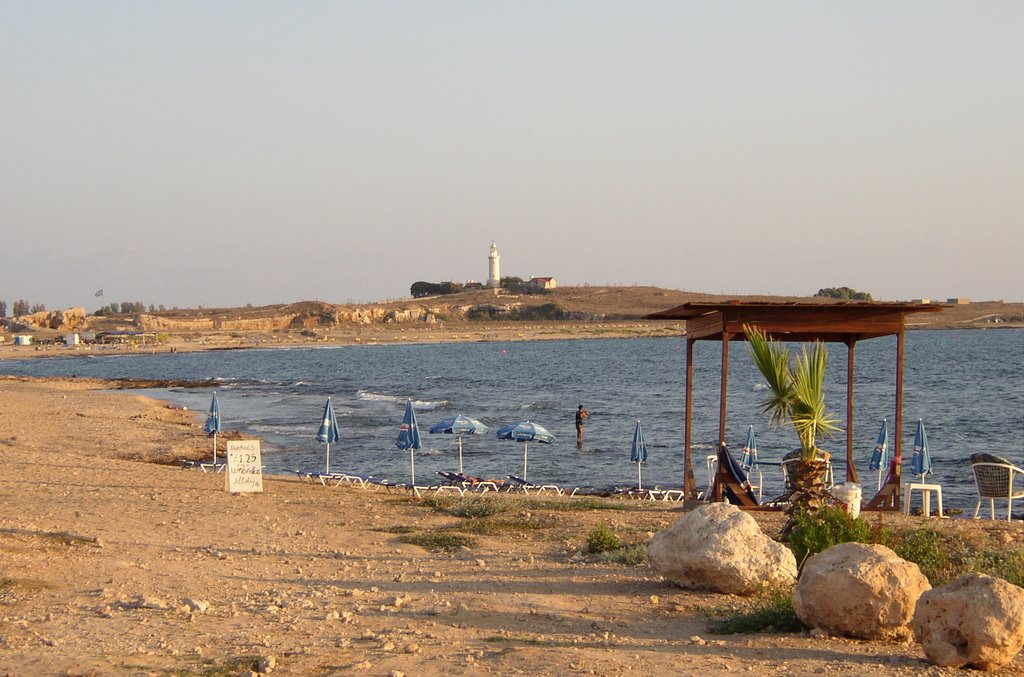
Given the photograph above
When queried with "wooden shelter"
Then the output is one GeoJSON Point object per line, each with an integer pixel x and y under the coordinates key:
{"type": "Point", "coordinates": [836, 322]}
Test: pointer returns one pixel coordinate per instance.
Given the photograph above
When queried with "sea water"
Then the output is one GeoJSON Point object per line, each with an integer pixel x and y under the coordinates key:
{"type": "Point", "coordinates": [967, 386]}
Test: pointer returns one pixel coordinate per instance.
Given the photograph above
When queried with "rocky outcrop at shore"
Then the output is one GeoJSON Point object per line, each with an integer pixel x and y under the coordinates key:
{"type": "Point", "coordinates": [325, 316]}
{"type": "Point", "coordinates": [69, 319]}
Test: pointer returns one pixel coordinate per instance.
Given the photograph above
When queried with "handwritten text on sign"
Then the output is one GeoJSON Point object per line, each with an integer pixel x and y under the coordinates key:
{"type": "Point", "coordinates": [245, 469]}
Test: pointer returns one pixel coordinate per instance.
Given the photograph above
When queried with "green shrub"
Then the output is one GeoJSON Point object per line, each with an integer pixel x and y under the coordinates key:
{"type": "Point", "coordinates": [1006, 565]}
{"type": "Point", "coordinates": [944, 558]}
{"type": "Point", "coordinates": [772, 611]}
{"type": "Point", "coordinates": [602, 539]}
{"type": "Point", "coordinates": [819, 531]}
{"type": "Point", "coordinates": [576, 504]}
{"type": "Point", "coordinates": [929, 550]}
{"type": "Point", "coordinates": [487, 526]}
{"type": "Point", "coordinates": [630, 555]}
{"type": "Point", "coordinates": [439, 540]}
{"type": "Point", "coordinates": [472, 506]}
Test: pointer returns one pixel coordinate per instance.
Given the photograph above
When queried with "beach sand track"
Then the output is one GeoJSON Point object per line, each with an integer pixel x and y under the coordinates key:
{"type": "Point", "coordinates": [94, 539]}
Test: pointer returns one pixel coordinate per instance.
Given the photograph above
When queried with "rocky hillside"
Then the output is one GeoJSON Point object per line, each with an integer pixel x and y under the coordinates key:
{"type": "Point", "coordinates": [566, 304]}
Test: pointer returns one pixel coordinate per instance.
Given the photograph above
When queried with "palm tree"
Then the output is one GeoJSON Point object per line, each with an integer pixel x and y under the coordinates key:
{"type": "Point", "coordinates": [797, 398]}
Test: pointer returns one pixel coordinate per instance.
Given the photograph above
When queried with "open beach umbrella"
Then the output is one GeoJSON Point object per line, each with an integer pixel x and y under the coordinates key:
{"type": "Point", "coordinates": [459, 425]}
{"type": "Point", "coordinates": [748, 461]}
{"type": "Point", "coordinates": [638, 453]}
{"type": "Point", "coordinates": [525, 432]}
{"type": "Point", "coordinates": [409, 437]}
{"type": "Point", "coordinates": [328, 431]}
{"type": "Point", "coordinates": [212, 426]}
{"type": "Point", "coordinates": [880, 456]}
{"type": "Point", "coordinates": [921, 460]}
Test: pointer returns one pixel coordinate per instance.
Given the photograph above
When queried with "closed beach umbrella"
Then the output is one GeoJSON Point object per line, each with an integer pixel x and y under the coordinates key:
{"type": "Point", "coordinates": [409, 437]}
{"type": "Point", "coordinates": [328, 431]}
{"type": "Point", "coordinates": [748, 461]}
{"type": "Point", "coordinates": [459, 425]}
{"type": "Point", "coordinates": [638, 453]}
{"type": "Point", "coordinates": [525, 432]}
{"type": "Point", "coordinates": [880, 456]}
{"type": "Point", "coordinates": [921, 461]}
{"type": "Point", "coordinates": [212, 426]}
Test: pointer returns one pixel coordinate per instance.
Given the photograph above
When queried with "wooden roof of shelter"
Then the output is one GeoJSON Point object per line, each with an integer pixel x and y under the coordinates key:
{"type": "Point", "coordinates": [799, 321]}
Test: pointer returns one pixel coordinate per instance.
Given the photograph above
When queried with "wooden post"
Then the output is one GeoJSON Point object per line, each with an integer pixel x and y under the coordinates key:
{"type": "Point", "coordinates": [689, 482]}
{"type": "Point", "coordinates": [898, 443]}
{"type": "Point", "coordinates": [725, 387]}
{"type": "Point", "coordinates": [851, 471]}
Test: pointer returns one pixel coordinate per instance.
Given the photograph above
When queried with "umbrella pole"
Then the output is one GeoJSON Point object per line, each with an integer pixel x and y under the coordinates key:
{"type": "Point", "coordinates": [460, 453]}
{"type": "Point", "coordinates": [639, 479]}
{"type": "Point", "coordinates": [412, 466]}
{"type": "Point", "coordinates": [328, 471]}
{"type": "Point", "coordinates": [215, 448]}
{"type": "Point", "coordinates": [526, 447]}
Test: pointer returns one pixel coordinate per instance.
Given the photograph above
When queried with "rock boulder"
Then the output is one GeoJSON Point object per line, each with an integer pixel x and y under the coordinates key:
{"type": "Point", "coordinates": [717, 547]}
{"type": "Point", "coordinates": [859, 590]}
{"type": "Point", "coordinates": [68, 319]}
{"type": "Point", "coordinates": [975, 621]}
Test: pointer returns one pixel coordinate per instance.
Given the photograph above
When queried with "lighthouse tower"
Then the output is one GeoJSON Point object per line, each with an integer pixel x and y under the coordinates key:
{"type": "Point", "coordinates": [493, 275]}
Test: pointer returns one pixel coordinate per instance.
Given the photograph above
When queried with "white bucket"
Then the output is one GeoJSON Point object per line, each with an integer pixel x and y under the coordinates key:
{"type": "Point", "coordinates": [849, 495]}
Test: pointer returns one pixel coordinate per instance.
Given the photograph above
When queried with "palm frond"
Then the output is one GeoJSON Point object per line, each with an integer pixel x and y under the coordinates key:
{"type": "Point", "coordinates": [772, 360]}
{"type": "Point", "coordinates": [807, 413]}
{"type": "Point", "coordinates": [797, 390]}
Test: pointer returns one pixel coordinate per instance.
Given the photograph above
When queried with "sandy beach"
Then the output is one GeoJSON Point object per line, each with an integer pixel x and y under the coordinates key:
{"type": "Point", "coordinates": [117, 562]}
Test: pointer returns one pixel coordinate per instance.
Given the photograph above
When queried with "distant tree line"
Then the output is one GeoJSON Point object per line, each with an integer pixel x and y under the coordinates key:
{"type": "Point", "coordinates": [21, 307]}
{"type": "Point", "coordinates": [845, 293]}
{"type": "Point", "coordinates": [511, 283]}
{"type": "Point", "coordinates": [127, 308]}
{"type": "Point", "coordinates": [544, 312]}
{"type": "Point", "coordinates": [421, 289]}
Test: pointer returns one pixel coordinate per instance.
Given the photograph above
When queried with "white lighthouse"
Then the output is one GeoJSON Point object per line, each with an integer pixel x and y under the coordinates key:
{"type": "Point", "coordinates": [494, 274]}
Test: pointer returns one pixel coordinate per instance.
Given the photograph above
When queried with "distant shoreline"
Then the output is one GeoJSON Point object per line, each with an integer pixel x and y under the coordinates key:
{"type": "Point", "coordinates": [394, 335]}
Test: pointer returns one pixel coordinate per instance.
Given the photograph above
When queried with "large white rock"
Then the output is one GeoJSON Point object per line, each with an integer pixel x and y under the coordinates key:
{"type": "Point", "coordinates": [976, 620]}
{"type": "Point", "coordinates": [720, 548]}
{"type": "Point", "coordinates": [859, 590]}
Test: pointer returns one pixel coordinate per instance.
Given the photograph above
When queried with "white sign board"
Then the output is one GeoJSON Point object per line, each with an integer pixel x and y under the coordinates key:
{"type": "Point", "coordinates": [245, 469]}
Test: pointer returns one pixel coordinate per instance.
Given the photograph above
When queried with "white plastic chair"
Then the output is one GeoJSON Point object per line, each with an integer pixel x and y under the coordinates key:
{"type": "Point", "coordinates": [712, 461]}
{"type": "Point", "coordinates": [995, 481]}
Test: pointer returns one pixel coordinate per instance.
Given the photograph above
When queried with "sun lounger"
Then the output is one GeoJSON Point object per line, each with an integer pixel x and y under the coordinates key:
{"type": "Point", "coordinates": [517, 483]}
{"type": "Point", "coordinates": [205, 466]}
{"type": "Point", "coordinates": [448, 488]}
{"type": "Point", "coordinates": [335, 479]}
{"type": "Point", "coordinates": [602, 492]}
{"type": "Point", "coordinates": [470, 483]}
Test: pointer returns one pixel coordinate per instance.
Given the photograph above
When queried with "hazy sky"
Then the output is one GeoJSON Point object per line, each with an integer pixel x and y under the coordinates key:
{"type": "Point", "coordinates": [223, 153]}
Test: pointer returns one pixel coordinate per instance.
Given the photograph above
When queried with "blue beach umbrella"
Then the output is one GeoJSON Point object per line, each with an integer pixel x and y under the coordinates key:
{"type": "Point", "coordinates": [748, 461]}
{"type": "Point", "coordinates": [409, 437]}
{"type": "Point", "coordinates": [525, 432]}
{"type": "Point", "coordinates": [921, 460]}
{"type": "Point", "coordinates": [880, 456]}
{"type": "Point", "coordinates": [638, 453]}
{"type": "Point", "coordinates": [212, 425]}
{"type": "Point", "coordinates": [459, 425]}
{"type": "Point", "coordinates": [328, 431]}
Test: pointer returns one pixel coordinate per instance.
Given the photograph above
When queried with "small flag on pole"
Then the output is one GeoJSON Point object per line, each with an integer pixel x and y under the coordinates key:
{"type": "Point", "coordinates": [99, 293]}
